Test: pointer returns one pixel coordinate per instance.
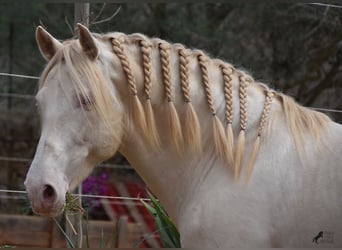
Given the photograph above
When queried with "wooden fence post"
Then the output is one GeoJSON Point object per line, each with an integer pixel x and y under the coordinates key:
{"type": "Point", "coordinates": [81, 15]}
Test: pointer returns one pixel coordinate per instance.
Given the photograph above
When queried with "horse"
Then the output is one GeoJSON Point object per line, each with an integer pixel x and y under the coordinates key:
{"type": "Point", "coordinates": [234, 162]}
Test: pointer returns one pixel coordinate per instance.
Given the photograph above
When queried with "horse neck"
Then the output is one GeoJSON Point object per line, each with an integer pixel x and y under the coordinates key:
{"type": "Point", "coordinates": [182, 102]}
{"type": "Point", "coordinates": [207, 117]}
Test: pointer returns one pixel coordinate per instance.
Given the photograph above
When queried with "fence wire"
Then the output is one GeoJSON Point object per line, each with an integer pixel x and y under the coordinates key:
{"type": "Point", "coordinates": [20, 76]}
{"type": "Point", "coordinates": [22, 192]}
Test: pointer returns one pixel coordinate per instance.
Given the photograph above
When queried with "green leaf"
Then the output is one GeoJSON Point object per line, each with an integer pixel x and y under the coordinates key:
{"type": "Point", "coordinates": [168, 232]}
{"type": "Point", "coordinates": [69, 241]}
{"type": "Point", "coordinates": [149, 208]}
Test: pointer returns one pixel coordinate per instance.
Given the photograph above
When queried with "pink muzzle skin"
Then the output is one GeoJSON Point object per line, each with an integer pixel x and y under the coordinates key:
{"type": "Point", "coordinates": [45, 200]}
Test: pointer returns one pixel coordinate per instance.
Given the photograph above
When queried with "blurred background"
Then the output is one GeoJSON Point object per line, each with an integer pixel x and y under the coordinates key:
{"type": "Point", "coordinates": [294, 47]}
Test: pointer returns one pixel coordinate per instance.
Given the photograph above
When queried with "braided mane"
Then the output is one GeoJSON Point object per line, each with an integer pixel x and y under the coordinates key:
{"type": "Point", "coordinates": [300, 120]}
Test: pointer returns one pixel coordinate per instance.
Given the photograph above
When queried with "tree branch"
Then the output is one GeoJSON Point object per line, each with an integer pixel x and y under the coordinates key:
{"type": "Point", "coordinates": [319, 25]}
{"type": "Point", "coordinates": [100, 13]}
{"type": "Point", "coordinates": [109, 18]}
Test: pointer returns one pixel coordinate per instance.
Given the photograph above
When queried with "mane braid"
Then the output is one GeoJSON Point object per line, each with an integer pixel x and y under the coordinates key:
{"type": "Point", "coordinates": [192, 125]}
{"type": "Point", "coordinates": [173, 119]}
{"type": "Point", "coordinates": [137, 109]}
{"type": "Point", "coordinates": [240, 147]}
{"type": "Point", "coordinates": [146, 50]}
{"type": "Point", "coordinates": [227, 73]}
{"type": "Point", "coordinates": [262, 125]}
{"type": "Point", "coordinates": [218, 130]}
{"type": "Point", "coordinates": [300, 120]}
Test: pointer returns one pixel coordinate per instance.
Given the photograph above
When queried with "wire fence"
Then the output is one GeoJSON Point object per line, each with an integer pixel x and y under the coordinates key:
{"type": "Point", "coordinates": [19, 76]}
{"type": "Point", "coordinates": [22, 192]}
{"type": "Point", "coordinates": [4, 193]}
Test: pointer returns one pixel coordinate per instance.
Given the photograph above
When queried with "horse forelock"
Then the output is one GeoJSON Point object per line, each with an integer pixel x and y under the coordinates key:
{"type": "Point", "coordinates": [87, 79]}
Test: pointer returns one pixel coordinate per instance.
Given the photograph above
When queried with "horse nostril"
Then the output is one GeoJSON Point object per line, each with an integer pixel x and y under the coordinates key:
{"type": "Point", "coordinates": [49, 194]}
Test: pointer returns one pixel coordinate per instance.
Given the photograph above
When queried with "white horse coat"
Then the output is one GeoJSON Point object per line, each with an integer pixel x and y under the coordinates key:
{"type": "Point", "coordinates": [94, 100]}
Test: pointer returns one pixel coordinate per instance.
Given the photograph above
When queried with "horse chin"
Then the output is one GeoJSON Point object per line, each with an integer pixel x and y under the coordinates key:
{"type": "Point", "coordinates": [51, 212]}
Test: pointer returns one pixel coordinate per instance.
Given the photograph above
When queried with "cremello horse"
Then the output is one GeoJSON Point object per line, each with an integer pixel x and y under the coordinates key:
{"type": "Point", "coordinates": [233, 162]}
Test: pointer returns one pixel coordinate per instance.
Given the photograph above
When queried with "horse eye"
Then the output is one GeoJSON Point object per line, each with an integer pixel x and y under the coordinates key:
{"type": "Point", "coordinates": [84, 102]}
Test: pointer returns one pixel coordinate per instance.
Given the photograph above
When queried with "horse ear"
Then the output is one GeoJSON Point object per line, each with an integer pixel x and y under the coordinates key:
{"type": "Point", "coordinates": [87, 42]}
{"type": "Point", "coordinates": [47, 44]}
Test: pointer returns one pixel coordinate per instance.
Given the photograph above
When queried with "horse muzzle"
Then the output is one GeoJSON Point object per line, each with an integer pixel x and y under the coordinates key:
{"type": "Point", "coordinates": [45, 199]}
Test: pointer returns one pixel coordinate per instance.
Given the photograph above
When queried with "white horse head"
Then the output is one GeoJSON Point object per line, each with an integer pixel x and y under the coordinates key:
{"type": "Point", "coordinates": [74, 93]}
{"type": "Point", "coordinates": [191, 126]}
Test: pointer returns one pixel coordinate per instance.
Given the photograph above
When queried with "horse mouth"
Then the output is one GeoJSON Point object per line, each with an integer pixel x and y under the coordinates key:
{"type": "Point", "coordinates": [48, 210]}
{"type": "Point", "coordinates": [46, 203]}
